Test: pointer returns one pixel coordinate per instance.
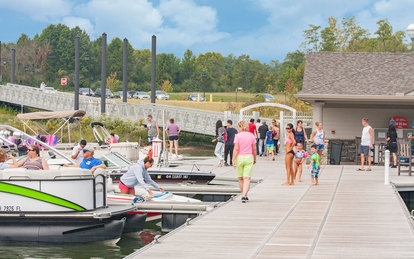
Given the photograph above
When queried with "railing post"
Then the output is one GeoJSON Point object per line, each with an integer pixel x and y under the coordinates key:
{"type": "Point", "coordinates": [281, 131]}
{"type": "Point", "coordinates": [387, 168]}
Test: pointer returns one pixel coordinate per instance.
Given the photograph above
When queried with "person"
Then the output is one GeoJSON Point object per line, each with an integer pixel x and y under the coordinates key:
{"type": "Point", "coordinates": [153, 129]}
{"type": "Point", "coordinates": [77, 151]}
{"type": "Point", "coordinates": [33, 160]}
{"type": "Point", "coordinates": [289, 154]}
{"type": "Point", "coordinates": [42, 86]}
{"type": "Point", "coordinates": [252, 127]}
{"type": "Point", "coordinates": [173, 131]}
{"type": "Point", "coordinates": [315, 158]}
{"type": "Point", "coordinates": [318, 138]}
{"type": "Point", "coordinates": [276, 136]}
{"type": "Point", "coordinates": [229, 144]}
{"type": "Point", "coordinates": [257, 135]}
{"type": "Point", "coordinates": [263, 129]}
{"type": "Point", "coordinates": [117, 138]}
{"type": "Point", "coordinates": [411, 137]}
{"type": "Point", "coordinates": [244, 157]}
{"type": "Point", "coordinates": [367, 142]}
{"type": "Point", "coordinates": [89, 161]}
{"type": "Point", "coordinates": [270, 146]}
{"type": "Point", "coordinates": [220, 142]}
{"type": "Point", "coordinates": [112, 139]}
{"type": "Point", "coordinates": [300, 156]}
{"type": "Point", "coordinates": [300, 133]}
{"type": "Point", "coordinates": [392, 143]}
{"type": "Point", "coordinates": [138, 174]}
{"type": "Point", "coordinates": [3, 159]}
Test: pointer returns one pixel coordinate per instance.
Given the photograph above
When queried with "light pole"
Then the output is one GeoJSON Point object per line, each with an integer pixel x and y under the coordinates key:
{"type": "Point", "coordinates": [87, 59]}
{"type": "Point", "coordinates": [410, 32]}
{"type": "Point", "coordinates": [204, 76]}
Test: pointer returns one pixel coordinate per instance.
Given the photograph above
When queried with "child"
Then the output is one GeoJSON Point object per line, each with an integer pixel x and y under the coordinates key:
{"type": "Point", "coordinates": [270, 144]}
{"type": "Point", "coordinates": [300, 157]}
{"type": "Point", "coordinates": [315, 165]}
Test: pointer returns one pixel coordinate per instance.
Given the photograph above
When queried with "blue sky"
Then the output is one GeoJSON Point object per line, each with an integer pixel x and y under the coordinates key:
{"type": "Point", "coordinates": [264, 29]}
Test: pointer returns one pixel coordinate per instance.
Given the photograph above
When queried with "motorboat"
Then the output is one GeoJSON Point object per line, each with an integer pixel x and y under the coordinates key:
{"type": "Point", "coordinates": [60, 205]}
{"type": "Point", "coordinates": [118, 165]}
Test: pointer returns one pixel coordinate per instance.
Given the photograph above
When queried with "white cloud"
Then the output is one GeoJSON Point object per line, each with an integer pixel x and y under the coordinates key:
{"type": "Point", "coordinates": [84, 24]}
{"type": "Point", "coordinates": [39, 10]}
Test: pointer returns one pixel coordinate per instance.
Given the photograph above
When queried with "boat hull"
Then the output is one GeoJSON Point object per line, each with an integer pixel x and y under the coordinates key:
{"type": "Point", "coordinates": [173, 176]}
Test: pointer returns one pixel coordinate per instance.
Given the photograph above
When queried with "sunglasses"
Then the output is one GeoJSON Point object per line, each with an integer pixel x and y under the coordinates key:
{"type": "Point", "coordinates": [30, 150]}
{"type": "Point", "coordinates": [288, 128]}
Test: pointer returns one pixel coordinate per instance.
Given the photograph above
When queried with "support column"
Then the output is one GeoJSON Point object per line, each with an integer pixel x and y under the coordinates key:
{"type": "Point", "coordinates": [125, 71]}
{"type": "Point", "coordinates": [103, 74]}
{"type": "Point", "coordinates": [13, 65]}
{"type": "Point", "coordinates": [317, 114]}
{"type": "Point", "coordinates": [153, 64]}
{"type": "Point", "coordinates": [76, 106]}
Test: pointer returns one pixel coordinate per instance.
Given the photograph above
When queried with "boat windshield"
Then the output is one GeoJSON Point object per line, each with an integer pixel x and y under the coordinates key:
{"type": "Point", "coordinates": [115, 159]}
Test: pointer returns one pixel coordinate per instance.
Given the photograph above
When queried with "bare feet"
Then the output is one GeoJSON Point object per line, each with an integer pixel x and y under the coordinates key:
{"type": "Point", "coordinates": [300, 180]}
{"type": "Point", "coordinates": [285, 184]}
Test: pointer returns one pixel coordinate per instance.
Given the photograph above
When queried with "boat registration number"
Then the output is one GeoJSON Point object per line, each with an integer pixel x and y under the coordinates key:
{"type": "Point", "coordinates": [10, 208]}
{"type": "Point", "coordinates": [176, 176]}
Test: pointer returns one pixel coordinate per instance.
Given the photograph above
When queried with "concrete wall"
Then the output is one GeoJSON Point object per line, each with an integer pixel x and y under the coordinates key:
{"type": "Point", "coordinates": [346, 120]}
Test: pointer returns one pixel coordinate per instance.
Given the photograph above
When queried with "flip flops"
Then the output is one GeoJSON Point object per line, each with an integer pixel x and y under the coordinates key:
{"type": "Point", "coordinates": [360, 169]}
{"type": "Point", "coordinates": [369, 169]}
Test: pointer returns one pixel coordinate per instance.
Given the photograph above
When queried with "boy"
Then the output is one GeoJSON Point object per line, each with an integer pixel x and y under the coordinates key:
{"type": "Point", "coordinates": [270, 144]}
{"type": "Point", "coordinates": [315, 158]}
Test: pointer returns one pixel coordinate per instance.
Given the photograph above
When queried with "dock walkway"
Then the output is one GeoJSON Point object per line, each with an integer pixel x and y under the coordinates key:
{"type": "Point", "coordinates": [350, 214]}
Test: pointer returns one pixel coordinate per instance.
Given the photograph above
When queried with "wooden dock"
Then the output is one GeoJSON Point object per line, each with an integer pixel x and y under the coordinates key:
{"type": "Point", "coordinates": [349, 215]}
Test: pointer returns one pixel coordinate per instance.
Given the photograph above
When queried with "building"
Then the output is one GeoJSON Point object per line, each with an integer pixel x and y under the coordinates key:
{"type": "Point", "coordinates": [345, 87]}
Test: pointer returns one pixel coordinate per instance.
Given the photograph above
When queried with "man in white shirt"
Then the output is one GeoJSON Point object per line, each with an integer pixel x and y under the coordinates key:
{"type": "Point", "coordinates": [367, 144]}
{"type": "Point", "coordinates": [77, 152]}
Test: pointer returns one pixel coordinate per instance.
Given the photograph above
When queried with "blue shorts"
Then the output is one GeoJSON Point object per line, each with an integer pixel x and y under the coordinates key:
{"type": "Point", "coordinates": [315, 172]}
{"type": "Point", "coordinates": [320, 147]}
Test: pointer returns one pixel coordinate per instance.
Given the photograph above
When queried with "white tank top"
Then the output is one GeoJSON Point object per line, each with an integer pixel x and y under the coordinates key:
{"type": "Point", "coordinates": [366, 137]}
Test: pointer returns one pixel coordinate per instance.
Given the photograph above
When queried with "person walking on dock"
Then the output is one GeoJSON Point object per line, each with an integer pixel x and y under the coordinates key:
{"type": "Point", "coordinates": [262, 136]}
{"type": "Point", "coordinates": [220, 142]}
{"type": "Point", "coordinates": [367, 141]}
{"type": "Point", "coordinates": [318, 138]}
{"type": "Point", "coordinates": [289, 155]}
{"type": "Point", "coordinates": [315, 158]}
{"type": "Point", "coordinates": [229, 145]}
{"type": "Point", "coordinates": [244, 157]}
{"type": "Point", "coordinates": [138, 174]}
{"type": "Point", "coordinates": [392, 143]}
{"type": "Point", "coordinates": [173, 131]}
{"type": "Point", "coordinates": [270, 146]}
{"type": "Point", "coordinates": [153, 129]}
{"type": "Point", "coordinates": [275, 135]}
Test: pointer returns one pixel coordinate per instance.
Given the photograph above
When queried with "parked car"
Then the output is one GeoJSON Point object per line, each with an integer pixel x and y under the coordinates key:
{"type": "Point", "coordinates": [49, 90]}
{"type": "Point", "coordinates": [118, 94]}
{"type": "Point", "coordinates": [194, 96]}
{"type": "Point", "coordinates": [141, 95]}
{"type": "Point", "coordinates": [161, 95]}
{"type": "Point", "coordinates": [86, 91]}
{"type": "Point", "coordinates": [268, 98]}
{"type": "Point", "coordinates": [108, 93]}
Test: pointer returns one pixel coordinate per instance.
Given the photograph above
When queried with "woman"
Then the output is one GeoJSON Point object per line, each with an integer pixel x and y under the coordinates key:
{"type": "Point", "coordinates": [318, 138]}
{"type": "Point", "coordinates": [138, 174]}
{"type": "Point", "coordinates": [392, 144]}
{"type": "Point", "coordinates": [220, 142]}
{"type": "Point", "coordinates": [300, 133]}
{"type": "Point", "coordinates": [33, 160]}
{"type": "Point", "coordinates": [3, 158]}
{"type": "Point", "coordinates": [289, 155]}
{"type": "Point", "coordinates": [275, 135]}
{"type": "Point", "coordinates": [173, 131]}
{"type": "Point", "coordinates": [244, 157]}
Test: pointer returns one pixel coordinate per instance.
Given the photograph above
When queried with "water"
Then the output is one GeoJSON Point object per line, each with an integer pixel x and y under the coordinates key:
{"type": "Point", "coordinates": [127, 245]}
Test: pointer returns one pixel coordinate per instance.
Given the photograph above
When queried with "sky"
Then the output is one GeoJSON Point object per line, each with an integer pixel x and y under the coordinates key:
{"type": "Point", "coordinates": [263, 29]}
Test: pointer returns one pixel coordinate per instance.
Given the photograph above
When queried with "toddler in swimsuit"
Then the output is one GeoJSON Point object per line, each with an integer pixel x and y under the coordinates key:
{"type": "Point", "coordinates": [300, 157]}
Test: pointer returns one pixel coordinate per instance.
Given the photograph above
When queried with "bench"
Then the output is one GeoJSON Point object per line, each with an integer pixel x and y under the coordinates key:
{"type": "Point", "coordinates": [404, 157]}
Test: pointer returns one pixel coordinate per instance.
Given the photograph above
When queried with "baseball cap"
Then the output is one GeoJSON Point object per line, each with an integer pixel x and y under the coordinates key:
{"type": "Point", "coordinates": [88, 148]}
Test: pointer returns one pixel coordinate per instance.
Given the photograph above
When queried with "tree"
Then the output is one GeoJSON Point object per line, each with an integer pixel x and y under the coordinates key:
{"type": "Point", "coordinates": [330, 36]}
{"type": "Point", "coordinates": [166, 86]}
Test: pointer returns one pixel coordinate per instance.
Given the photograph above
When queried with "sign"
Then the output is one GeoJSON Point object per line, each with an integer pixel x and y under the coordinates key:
{"type": "Point", "coordinates": [399, 122]}
{"type": "Point", "coordinates": [63, 81]}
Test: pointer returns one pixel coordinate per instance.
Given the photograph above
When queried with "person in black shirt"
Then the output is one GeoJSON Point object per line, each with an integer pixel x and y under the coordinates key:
{"type": "Point", "coordinates": [228, 149]}
{"type": "Point", "coordinates": [392, 143]}
{"type": "Point", "coordinates": [262, 136]}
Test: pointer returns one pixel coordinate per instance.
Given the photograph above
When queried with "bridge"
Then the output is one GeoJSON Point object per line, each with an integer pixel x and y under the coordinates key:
{"type": "Point", "coordinates": [190, 120]}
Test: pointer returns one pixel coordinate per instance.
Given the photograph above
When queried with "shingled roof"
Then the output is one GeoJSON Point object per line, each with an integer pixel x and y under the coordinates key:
{"type": "Point", "coordinates": [358, 73]}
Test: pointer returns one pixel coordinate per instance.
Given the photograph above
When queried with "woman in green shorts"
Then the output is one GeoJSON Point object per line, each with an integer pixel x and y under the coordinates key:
{"type": "Point", "coordinates": [244, 157]}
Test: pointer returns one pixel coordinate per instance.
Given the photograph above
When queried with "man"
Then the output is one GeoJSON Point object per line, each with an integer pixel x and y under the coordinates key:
{"type": "Point", "coordinates": [412, 139]}
{"type": "Point", "coordinates": [77, 152]}
{"type": "Point", "coordinates": [138, 174]}
{"type": "Point", "coordinates": [42, 86]}
{"type": "Point", "coordinates": [367, 144]}
{"type": "Point", "coordinates": [252, 127]}
{"type": "Point", "coordinates": [89, 162]}
{"type": "Point", "coordinates": [153, 129]}
{"type": "Point", "coordinates": [229, 146]}
{"type": "Point", "coordinates": [257, 135]}
{"type": "Point", "coordinates": [262, 136]}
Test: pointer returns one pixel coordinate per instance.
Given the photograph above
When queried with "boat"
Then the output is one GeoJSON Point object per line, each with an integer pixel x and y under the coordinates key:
{"type": "Point", "coordinates": [61, 205]}
{"type": "Point", "coordinates": [118, 165]}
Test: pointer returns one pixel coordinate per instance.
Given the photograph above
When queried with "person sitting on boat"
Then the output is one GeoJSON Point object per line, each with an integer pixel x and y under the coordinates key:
{"type": "Point", "coordinates": [138, 174]}
{"type": "Point", "coordinates": [33, 160]}
{"type": "Point", "coordinates": [77, 152]}
{"type": "Point", "coordinates": [89, 162]}
{"type": "Point", "coordinates": [112, 139]}
{"type": "Point", "coordinates": [3, 158]}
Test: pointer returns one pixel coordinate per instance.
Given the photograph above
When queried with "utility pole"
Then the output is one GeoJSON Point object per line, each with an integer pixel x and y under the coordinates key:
{"type": "Point", "coordinates": [153, 64]}
{"type": "Point", "coordinates": [125, 72]}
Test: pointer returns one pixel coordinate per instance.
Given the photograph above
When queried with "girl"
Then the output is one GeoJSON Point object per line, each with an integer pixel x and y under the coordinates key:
{"type": "Point", "coordinates": [220, 142]}
{"type": "Point", "coordinates": [300, 157]}
{"type": "Point", "coordinates": [289, 154]}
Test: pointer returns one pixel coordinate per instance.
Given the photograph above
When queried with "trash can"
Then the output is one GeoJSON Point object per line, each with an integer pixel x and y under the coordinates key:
{"type": "Point", "coordinates": [336, 152]}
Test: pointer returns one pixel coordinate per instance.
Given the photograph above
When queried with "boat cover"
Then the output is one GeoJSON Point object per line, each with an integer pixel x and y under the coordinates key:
{"type": "Point", "coordinates": [51, 115]}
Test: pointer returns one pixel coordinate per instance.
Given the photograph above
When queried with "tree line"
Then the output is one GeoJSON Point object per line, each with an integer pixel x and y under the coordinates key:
{"type": "Point", "coordinates": [50, 56]}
